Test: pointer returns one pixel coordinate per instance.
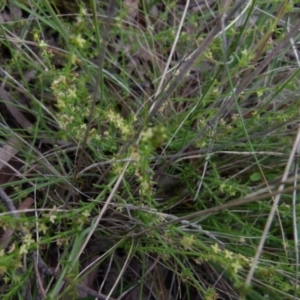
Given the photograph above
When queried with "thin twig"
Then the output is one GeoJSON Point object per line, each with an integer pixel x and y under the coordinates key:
{"type": "Point", "coordinates": [172, 50]}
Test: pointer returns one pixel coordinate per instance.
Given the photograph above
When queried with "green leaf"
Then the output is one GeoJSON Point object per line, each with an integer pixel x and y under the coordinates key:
{"type": "Point", "coordinates": [255, 176]}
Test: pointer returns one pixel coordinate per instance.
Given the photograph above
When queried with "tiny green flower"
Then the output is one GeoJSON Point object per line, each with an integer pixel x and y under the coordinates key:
{"type": "Point", "coordinates": [126, 130]}
{"type": "Point", "coordinates": [83, 11]}
{"type": "Point", "coordinates": [120, 209]}
{"type": "Point", "coordinates": [228, 254]}
{"type": "Point", "coordinates": [215, 248]}
{"type": "Point", "coordinates": [236, 266]}
{"type": "Point", "coordinates": [86, 213]}
{"type": "Point", "coordinates": [135, 155]}
{"type": "Point", "coordinates": [60, 104]}
{"type": "Point", "coordinates": [211, 294]}
{"type": "Point", "coordinates": [147, 135]}
{"type": "Point", "coordinates": [42, 44]}
{"type": "Point", "coordinates": [79, 41]}
{"type": "Point", "coordinates": [42, 228]}
{"type": "Point", "coordinates": [222, 187]}
{"type": "Point", "coordinates": [242, 240]}
{"type": "Point", "coordinates": [52, 218]}
{"type": "Point", "coordinates": [188, 241]}
{"type": "Point", "coordinates": [60, 80]}
{"type": "Point", "coordinates": [245, 52]}
{"type": "Point", "coordinates": [72, 92]}
{"type": "Point", "coordinates": [23, 249]}
{"type": "Point", "coordinates": [27, 239]}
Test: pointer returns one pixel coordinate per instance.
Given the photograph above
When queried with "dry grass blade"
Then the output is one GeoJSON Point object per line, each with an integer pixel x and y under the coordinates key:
{"type": "Point", "coordinates": [274, 207]}
{"type": "Point", "coordinates": [103, 210]}
{"type": "Point", "coordinates": [158, 91]}
{"type": "Point", "coordinates": [16, 113]}
{"type": "Point", "coordinates": [89, 276]}
{"type": "Point", "coordinates": [210, 211]}
{"type": "Point", "coordinates": [8, 151]}
{"type": "Point", "coordinates": [12, 146]}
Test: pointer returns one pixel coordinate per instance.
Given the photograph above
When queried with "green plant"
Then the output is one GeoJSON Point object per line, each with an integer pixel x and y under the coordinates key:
{"type": "Point", "coordinates": [150, 140]}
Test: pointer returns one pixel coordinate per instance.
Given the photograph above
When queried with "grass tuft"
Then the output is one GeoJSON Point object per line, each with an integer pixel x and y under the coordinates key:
{"type": "Point", "coordinates": [149, 150]}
